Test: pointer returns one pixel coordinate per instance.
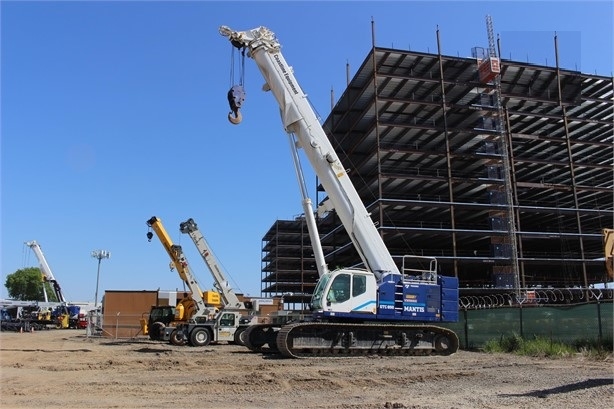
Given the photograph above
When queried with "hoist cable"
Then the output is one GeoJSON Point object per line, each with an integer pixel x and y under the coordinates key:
{"type": "Point", "coordinates": [232, 66]}
{"type": "Point", "coordinates": [242, 75]}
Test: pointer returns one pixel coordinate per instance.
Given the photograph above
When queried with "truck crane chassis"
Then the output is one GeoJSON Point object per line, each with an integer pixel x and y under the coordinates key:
{"type": "Point", "coordinates": [325, 339]}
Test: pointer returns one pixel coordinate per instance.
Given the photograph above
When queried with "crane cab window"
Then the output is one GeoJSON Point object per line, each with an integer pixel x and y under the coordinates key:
{"type": "Point", "coordinates": [227, 320]}
{"type": "Point", "coordinates": [339, 289]}
{"type": "Point", "coordinates": [359, 285]}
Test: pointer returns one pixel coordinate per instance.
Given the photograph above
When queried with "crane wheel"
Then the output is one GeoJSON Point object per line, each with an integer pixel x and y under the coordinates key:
{"type": "Point", "coordinates": [200, 337]}
{"type": "Point", "coordinates": [156, 331]}
{"type": "Point", "coordinates": [239, 337]}
{"type": "Point", "coordinates": [177, 338]}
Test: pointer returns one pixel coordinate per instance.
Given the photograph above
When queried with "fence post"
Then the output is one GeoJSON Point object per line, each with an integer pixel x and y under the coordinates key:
{"type": "Point", "coordinates": [599, 319]}
{"type": "Point", "coordinates": [466, 329]}
{"type": "Point", "coordinates": [521, 326]}
{"type": "Point", "coordinates": [116, 324]}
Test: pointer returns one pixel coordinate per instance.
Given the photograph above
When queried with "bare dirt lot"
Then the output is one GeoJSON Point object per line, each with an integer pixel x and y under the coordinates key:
{"type": "Point", "coordinates": [67, 369]}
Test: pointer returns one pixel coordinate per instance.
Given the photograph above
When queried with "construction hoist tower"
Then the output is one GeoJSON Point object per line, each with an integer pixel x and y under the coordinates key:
{"type": "Point", "coordinates": [493, 124]}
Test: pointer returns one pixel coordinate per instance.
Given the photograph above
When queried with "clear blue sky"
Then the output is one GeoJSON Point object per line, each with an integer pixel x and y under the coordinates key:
{"type": "Point", "coordinates": [113, 112]}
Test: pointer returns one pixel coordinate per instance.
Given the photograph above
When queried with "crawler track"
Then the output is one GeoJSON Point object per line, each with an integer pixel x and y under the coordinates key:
{"type": "Point", "coordinates": [261, 337]}
{"type": "Point", "coordinates": [320, 339]}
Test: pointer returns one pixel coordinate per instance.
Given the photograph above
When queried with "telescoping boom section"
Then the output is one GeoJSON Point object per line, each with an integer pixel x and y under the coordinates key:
{"type": "Point", "coordinates": [383, 308]}
{"type": "Point", "coordinates": [221, 283]}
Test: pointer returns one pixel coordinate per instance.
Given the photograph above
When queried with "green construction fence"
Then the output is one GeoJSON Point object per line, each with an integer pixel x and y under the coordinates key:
{"type": "Point", "coordinates": [590, 321]}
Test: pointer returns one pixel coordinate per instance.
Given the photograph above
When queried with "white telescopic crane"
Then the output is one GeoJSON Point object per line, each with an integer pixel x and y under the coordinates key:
{"type": "Point", "coordinates": [229, 298]}
{"type": "Point", "coordinates": [371, 310]}
{"type": "Point", "coordinates": [46, 272]}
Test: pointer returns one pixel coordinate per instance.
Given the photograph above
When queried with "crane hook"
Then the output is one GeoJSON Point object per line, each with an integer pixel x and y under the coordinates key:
{"type": "Point", "coordinates": [236, 119]}
{"type": "Point", "coordinates": [236, 96]}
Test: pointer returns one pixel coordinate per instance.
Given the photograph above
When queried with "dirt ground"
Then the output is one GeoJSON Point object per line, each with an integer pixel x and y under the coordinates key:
{"type": "Point", "coordinates": [67, 369]}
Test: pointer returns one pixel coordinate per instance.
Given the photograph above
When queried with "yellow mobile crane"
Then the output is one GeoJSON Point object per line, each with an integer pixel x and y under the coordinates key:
{"type": "Point", "coordinates": [163, 320]}
{"type": "Point", "coordinates": [608, 247]}
{"type": "Point", "coordinates": [204, 318]}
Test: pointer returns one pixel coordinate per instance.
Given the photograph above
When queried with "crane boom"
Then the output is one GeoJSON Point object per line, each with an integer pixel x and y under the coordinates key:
{"type": "Point", "coordinates": [299, 119]}
{"type": "Point", "coordinates": [229, 298]}
{"type": "Point", "coordinates": [46, 271]}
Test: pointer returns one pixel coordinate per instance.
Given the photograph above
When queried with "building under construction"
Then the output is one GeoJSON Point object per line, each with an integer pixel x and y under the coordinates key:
{"type": "Point", "coordinates": [502, 170]}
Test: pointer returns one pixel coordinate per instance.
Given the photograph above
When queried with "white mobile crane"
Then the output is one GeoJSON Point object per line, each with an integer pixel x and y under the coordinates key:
{"type": "Point", "coordinates": [65, 316]}
{"type": "Point", "coordinates": [46, 272]}
{"type": "Point", "coordinates": [198, 320]}
{"type": "Point", "coordinates": [378, 309]}
{"type": "Point", "coordinates": [230, 300]}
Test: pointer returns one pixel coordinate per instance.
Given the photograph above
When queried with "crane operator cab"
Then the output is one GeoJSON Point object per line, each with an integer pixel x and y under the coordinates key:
{"type": "Point", "coordinates": [356, 295]}
{"type": "Point", "coordinates": [227, 320]}
{"type": "Point", "coordinates": [345, 291]}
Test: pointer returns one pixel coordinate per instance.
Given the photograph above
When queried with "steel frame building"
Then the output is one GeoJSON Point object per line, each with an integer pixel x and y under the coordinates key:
{"type": "Point", "coordinates": [507, 182]}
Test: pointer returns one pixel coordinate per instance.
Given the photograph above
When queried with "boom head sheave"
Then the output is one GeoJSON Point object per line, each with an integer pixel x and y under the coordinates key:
{"type": "Point", "coordinates": [251, 38]}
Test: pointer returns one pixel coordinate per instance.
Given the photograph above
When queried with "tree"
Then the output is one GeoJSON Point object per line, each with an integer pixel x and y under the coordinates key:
{"type": "Point", "coordinates": [25, 285]}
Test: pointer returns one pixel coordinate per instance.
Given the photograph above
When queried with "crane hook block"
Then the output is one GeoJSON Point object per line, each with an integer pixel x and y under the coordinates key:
{"type": "Point", "coordinates": [236, 96]}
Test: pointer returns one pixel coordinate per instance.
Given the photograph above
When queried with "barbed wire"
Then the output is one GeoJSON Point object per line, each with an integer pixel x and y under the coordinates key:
{"type": "Point", "coordinates": [482, 299]}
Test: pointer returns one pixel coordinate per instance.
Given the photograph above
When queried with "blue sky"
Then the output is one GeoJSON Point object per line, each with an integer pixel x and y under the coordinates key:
{"type": "Point", "coordinates": [113, 112]}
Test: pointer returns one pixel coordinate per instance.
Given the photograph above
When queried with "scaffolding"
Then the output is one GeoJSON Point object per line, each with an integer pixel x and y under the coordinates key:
{"type": "Point", "coordinates": [508, 186]}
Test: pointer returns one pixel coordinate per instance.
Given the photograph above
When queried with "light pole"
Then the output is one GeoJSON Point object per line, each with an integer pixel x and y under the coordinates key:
{"type": "Point", "coordinates": [99, 254]}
